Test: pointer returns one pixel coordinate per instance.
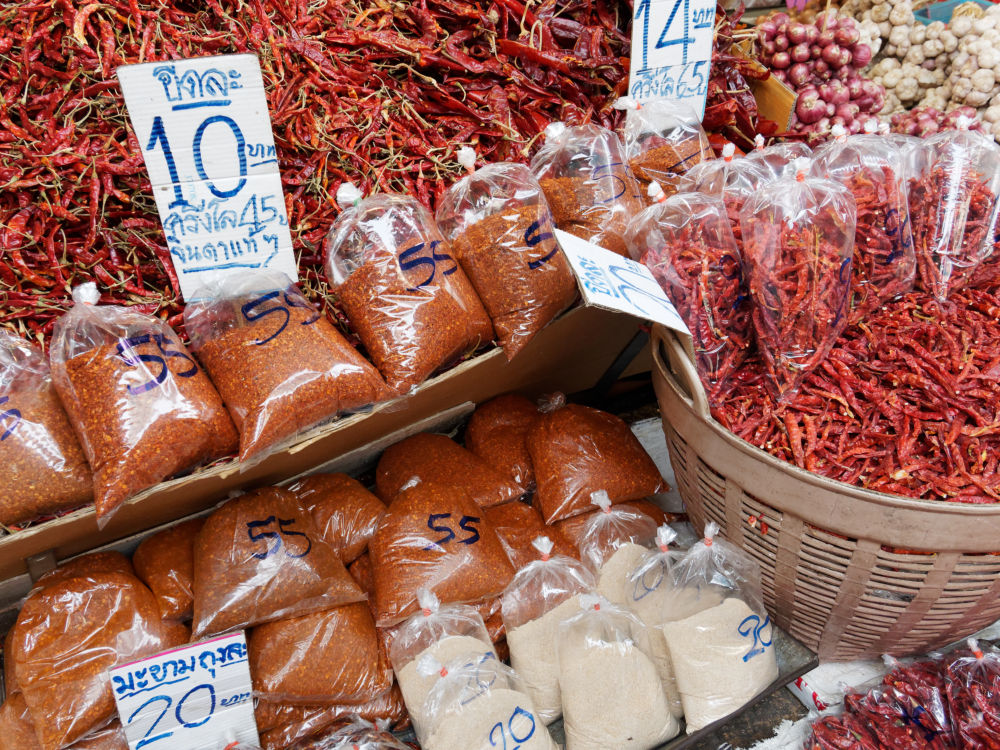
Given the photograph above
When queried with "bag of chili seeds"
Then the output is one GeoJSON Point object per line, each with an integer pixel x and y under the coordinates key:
{"type": "Point", "coordinates": [436, 538]}
{"type": "Point", "coordinates": [497, 432]}
{"type": "Point", "coordinates": [587, 182]}
{"type": "Point", "coordinates": [798, 241]}
{"type": "Point", "coordinates": [279, 364]}
{"type": "Point", "coordinates": [402, 290]}
{"type": "Point", "coordinates": [430, 458]}
{"type": "Point", "coordinates": [261, 558]}
{"type": "Point", "coordinates": [500, 227]}
{"type": "Point", "coordinates": [44, 467]}
{"type": "Point", "coordinates": [973, 688]}
{"type": "Point", "coordinates": [139, 403]}
{"type": "Point", "coordinates": [165, 563]}
{"type": "Point", "coordinates": [345, 513]}
{"type": "Point", "coordinates": [663, 140]}
{"type": "Point", "coordinates": [518, 525]}
{"type": "Point", "coordinates": [955, 180]}
{"type": "Point", "coordinates": [687, 242]}
{"type": "Point", "coordinates": [884, 265]}
{"type": "Point", "coordinates": [577, 450]}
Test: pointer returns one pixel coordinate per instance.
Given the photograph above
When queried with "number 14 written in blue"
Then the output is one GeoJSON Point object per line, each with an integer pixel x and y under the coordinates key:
{"type": "Point", "coordinates": [643, 9]}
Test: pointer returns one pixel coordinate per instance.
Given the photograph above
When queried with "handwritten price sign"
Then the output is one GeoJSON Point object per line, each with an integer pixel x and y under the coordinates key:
{"type": "Point", "coordinates": [206, 138]}
{"type": "Point", "coordinates": [197, 697]}
{"type": "Point", "coordinates": [608, 280]}
{"type": "Point", "coordinates": [672, 51]}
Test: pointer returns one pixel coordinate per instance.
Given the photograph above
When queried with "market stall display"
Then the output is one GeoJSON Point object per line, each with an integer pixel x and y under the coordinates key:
{"type": "Point", "coordinates": [497, 433]}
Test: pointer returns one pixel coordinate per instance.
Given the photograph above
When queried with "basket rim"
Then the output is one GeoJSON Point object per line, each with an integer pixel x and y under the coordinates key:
{"type": "Point", "coordinates": [663, 336]}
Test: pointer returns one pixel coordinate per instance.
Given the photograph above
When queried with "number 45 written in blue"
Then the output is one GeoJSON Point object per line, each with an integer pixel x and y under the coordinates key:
{"type": "Point", "coordinates": [643, 8]}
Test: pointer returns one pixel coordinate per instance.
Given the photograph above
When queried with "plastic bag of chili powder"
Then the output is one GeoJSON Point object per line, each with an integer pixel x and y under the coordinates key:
{"type": "Point", "coordinates": [518, 525]}
{"type": "Point", "coordinates": [973, 689]}
{"type": "Point", "coordinates": [587, 182]}
{"type": "Point", "coordinates": [401, 288]}
{"type": "Point", "coordinates": [358, 735]}
{"type": "Point", "coordinates": [687, 243]}
{"type": "Point", "coordinates": [279, 364]}
{"type": "Point", "coordinates": [798, 241]}
{"type": "Point", "coordinates": [955, 180]}
{"type": "Point", "coordinates": [884, 265]}
{"type": "Point", "coordinates": [500, 227]}
{"type": "Point", "coordinates": [44, 467]}
{"type": "Point", "coordinates": [345, 513]}
{"type": "Point", "coordinates": [141, 406]}
{"type": "Point", "coordinates": [496, 433]}
{"type": "Point", "coordinates": [165, 563]}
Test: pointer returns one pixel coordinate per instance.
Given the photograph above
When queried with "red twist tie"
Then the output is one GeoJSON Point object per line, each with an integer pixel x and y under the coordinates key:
{"type": "Point", "coordinates": [427, 612]}
{"type": "Point", "coordinates": [443, 672]}
{"type": "Point", "coordinates": [545, 557]}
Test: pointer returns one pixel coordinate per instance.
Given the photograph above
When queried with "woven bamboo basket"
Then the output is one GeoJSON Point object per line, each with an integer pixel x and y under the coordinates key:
{"type": "Point", "coordinates": [850, 573]}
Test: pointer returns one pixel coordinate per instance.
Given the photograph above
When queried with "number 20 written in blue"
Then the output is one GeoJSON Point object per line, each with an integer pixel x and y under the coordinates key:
{"type": "Point", "coordinates": [167, 702]}
{"type": "Point", "coordinates": [644, 8]}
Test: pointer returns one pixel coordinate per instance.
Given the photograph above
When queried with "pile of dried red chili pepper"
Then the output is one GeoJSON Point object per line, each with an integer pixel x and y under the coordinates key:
{"type": "Point", "coordinates": [947, 703]}
{"type": "Point", "coordinates": [381, 93]}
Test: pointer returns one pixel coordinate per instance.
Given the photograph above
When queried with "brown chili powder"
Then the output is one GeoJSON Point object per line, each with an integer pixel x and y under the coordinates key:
{"type": "Point", "coordinates": [68, 636]}
{"type": "Point", "coordinates": [577, 451]}
{"type": "Point", "coordinates": [165, 563]}
{"type": "Point", "coordinates": [44, 467]}
{"type": "Point", "coordinates": [278, 384]}
{"type": "Point", "coordinates": [594, 210]}
{"type": "Point", "coordinates": [433, 537]}
{"type": "Point", "coordinates": [86, 565]}
{"type": "Point", "coordinates": [497, 432]}
{"type": "Point", "coordinates": [573, 528]}
{"type": "Point", "coordinates": [324, 657]}
{"type": "Point", "coordinates": [429, 458]}
{"type": "Point", "coordinates": [9, 678]}
{"type": "Point", "coordinates": [523, 286]}
{"type": "Point", "coordinates": [259, 558]}
{"type": "Point", "coordinates": [361, 572]}
{"type": "Point", "coordinates": [666, 163]}
{"type": "Point", "coordinates": [345, 513]}
{"type": "Point", "coordinates": [136, 431]}
{"type": "Point", "coordinates": [518, 525]}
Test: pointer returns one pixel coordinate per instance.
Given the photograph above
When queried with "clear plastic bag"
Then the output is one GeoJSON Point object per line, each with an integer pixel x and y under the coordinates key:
{"type": "Point", "coordinates": [44, 467]}
{"type": "Point", "coordinates": [687, 243]}
{"type": "Point", "coordinates": [518, 525]}
{"type": "Point", "coordinates": [500, 228]}
{"type": "Point", "coordinates": [611, 545]}
{"type": "Point", "coordinates": [261, 558]}
{"type": "Point", "coordinates": [479, 705]}
{"type": "Point", "coordinates": [324, 657]}
{"type": "Point", "coordinates": [612, 696]}
{"type": "Point", "coordinates": [403, 292]}
{"type": "Point", "coordinates": [585, 176]}
{"type": "Point", "coordinates": [535, 603]}
{"type": "Point", "coordinates": [973, 688]}
{"type": "Point", "coordinates": [497, 433]}
{"type": "Point", "coordinates": [884, 265]}
{"type": "Point", "coordinates": [435, 538]}
{"type": "Point", "coordinates": [573, 528]}
{"type": "Point", "coordinates": [84, 566]}
{"type": "Point", "coordinates": [663, 141]}
{"type": "Point", "coordinates": [279, 364]}
{"type": "Point", "coordinates": [429, 458]}
{"type": "Point", "coordinates": [358, 735]}
{"type": "Point", "coordinates": [719, 635]}
{"type": "Point", "coordinates": [442, 632]}
{"type": "Point", "coordinates": [165, 563]}
{"type": "Point", "coordinates": [955, 179]}
{"type": "Point", "coordinates": [141, 406]}
{"type": "Point", "coordinates": [577, 451]}
{"type": "Point", "coordinates": [919, 689]}
{"type": "Point", "coordinates": [778, 155]}
{"type": "Point", "coordinates": [68, 635]}
{"type": "Point", "coordinates": [345, 513]}
{"type": "Point", "coordinates": [798, 241]}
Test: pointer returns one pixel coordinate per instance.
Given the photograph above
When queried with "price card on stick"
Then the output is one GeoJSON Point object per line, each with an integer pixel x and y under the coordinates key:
{"type": "Point", "coordinates": [206, 138]}
{"type": "Point", "coordinates": [613, 282]}
{"type": "Point", "coordinates": [196, 698]}
{"type": "Point", "coordinates": [672, 51]}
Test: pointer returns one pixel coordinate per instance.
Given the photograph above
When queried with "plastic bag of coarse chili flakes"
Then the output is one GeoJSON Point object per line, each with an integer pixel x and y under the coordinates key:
{"type": "Point", "coordinates": [497, 433]}
{"type": "Point", "coordinates": [44, 467]}
{"type": "Point", "coordinates": [345, 513]}
{"type": "Point", "coordinates": [279, 364]}
{"type": "Point", "coordinates": [973, 678]}
{"type": "Point", "coordinates": [500, 227]}
{"type": "Point", "coordinates": [401, 288]}
{"type": "Point", "coordinates": [357, 735]}
{"type": "Point", "coordinates": [142, 407]}
{"type": "Point", "coordinates": [587, 182]}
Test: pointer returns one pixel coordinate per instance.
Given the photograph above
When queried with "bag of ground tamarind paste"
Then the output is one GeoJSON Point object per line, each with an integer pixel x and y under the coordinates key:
{"type": "Point", "coordinates": [279, 364]}
{"type": "Point", "coordinates": [496, 433]}
{"type": "Point", "coordinates": [141, 406]}
{"type": "Point", "coordinates": [165, 563]}
{"type": "Point", "coordinates": [587, 182]}
{"type": "Point", "coordinates": [404, 294]}
{"type": "Point", "coordinates": [434, 537]}
{"type": "Point", "coordinates": [67, 636]}
{"type": "Point", "coordinates": [344, 511]}
{"type": "Point", "coordinates": [261, 558]}
{"type": "Point", "coordinates": [500, 227]}
{"type": "Point", "coordinates": [44, 467]}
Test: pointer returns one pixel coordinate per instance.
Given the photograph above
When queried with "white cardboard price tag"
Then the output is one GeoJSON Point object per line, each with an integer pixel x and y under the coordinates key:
{"type": "Point", "coordinates": [672, 51]}
{"type": "Point", "coordinates": [613, 282]}
{"type": "Point", "coordinates": [197, 697]}
{"type": "Point", "coordinates": [206, 138]}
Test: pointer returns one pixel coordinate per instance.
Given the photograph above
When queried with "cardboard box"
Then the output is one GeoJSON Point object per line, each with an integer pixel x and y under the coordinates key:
{"type": "Point", "coordinates": [569, 355]}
